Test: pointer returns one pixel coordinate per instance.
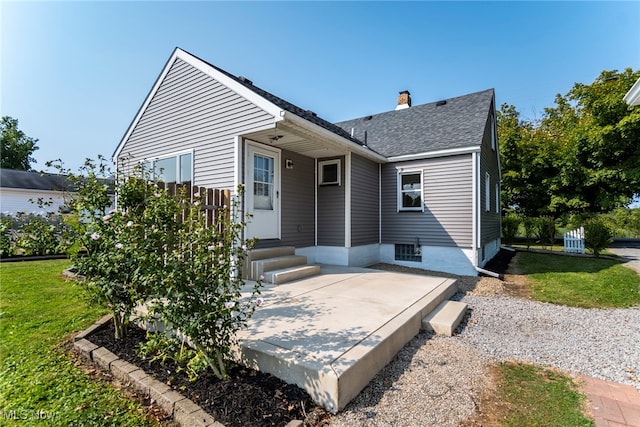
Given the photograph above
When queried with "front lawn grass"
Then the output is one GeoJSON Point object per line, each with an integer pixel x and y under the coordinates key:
{"type": "Point", "coordinates": [533, 396]}
{"type": "Point", "coordinates": [580, 281]}
{"type": "Point", "coordinates": [39, 382]}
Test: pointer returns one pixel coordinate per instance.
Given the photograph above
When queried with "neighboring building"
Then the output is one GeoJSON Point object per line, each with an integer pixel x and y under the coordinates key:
{"type": "Point", "coordinates": [633, 96]}
{"type": "Point", "coordinates": [20, 191]}
{"type": "Point", "coordinates": [418, 186]}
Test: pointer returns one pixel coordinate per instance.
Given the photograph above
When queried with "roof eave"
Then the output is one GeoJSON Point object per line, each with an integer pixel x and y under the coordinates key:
{"type": "Point", "coordinates": [206, 68]}
{"type": "Point", "coordinates": [337, 139]}
{"type": "Point", "coordinates": [435, 153]}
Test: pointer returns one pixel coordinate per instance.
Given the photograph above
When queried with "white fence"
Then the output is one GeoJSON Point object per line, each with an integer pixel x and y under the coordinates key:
{"type": "Point", "coordinates": [574, 241]}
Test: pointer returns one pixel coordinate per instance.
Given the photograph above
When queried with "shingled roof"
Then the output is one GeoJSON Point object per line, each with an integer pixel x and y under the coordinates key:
{"type": "Point", "coordinates": [11, 178]}
{"type": "Point", "coordinates": [286, 105]}
{"type": "Point", "coordinates": [457, 123]}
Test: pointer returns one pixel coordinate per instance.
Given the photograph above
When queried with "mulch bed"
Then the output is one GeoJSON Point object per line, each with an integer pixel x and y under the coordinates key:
{"type": "Point", "coordinates": [500, 263]}
{"type": "Point", "coordinates": [246, 398]}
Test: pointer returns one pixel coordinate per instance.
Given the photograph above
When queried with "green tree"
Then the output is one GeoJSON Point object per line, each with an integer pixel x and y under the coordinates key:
{"type": "Point", "coordinates": [17, 148]}
{"type": "Point", "coordinates": [582, 156]}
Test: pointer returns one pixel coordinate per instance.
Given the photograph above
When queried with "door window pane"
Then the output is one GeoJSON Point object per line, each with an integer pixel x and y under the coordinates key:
{"type": "Point", "coordinates": [263, 170]}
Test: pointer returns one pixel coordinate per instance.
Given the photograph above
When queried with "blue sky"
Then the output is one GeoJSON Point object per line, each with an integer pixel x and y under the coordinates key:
{"type": "Point", "coordinates": [75, 73]}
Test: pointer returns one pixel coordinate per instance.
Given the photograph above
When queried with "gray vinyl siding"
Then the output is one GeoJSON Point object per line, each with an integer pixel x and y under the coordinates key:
{"type": "Point", "coordinates": [193, 111]}
{"type": "Point", "coordinates": [489, 221]}
{"type": "Point", "coordinates": [298, 213]}
{"type": "Point", "coordinates": [447, 196]}
{"type": "Point", "coordinates": [365, 212]}
{"type": "Point", "coordinates": [331, 211]}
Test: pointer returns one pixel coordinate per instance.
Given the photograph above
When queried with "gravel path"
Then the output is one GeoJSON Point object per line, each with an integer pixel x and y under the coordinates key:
{"type": "Point", "coordinates": [434, 381]}
{"type": "Point", "coordinates": [439, 380]}
{"type": "Point", "coordinates": [602, 343]}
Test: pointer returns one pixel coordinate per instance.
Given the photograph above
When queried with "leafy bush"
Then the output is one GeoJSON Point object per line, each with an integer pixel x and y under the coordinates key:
{"type": "Point", "coordinates": [546, 230]}
{"type": "Point", "coordinates": [7, 247]}
{"type": "Point", "coordinates": [110, 262]}
{"type": "Point", "coordinates": [510, 225]}
{"type": "Point", "coordinates": [201, 294]}
{"type": "Point", "coordinates": [43, 235]}
{"type": "Point", "coordinates": [597, 235]}
{"type": "Point", "coordinates": [30, 234]}
{"type": "Point", "coordinates": [156, 248]}
{"type": "Point", "coordinates": [529, 225]}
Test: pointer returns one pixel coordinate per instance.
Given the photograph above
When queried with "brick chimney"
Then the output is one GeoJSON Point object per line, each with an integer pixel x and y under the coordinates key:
{"type": "Point", "coordinates": [404, 100]}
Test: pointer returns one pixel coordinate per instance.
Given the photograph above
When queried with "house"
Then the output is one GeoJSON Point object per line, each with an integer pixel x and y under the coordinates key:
{"type": "Point", "coordinates": [633, 96]}
{"type": "Point", "coordinates": [417, 186]}
{"type": "Point", "coordinates": [21, 190]}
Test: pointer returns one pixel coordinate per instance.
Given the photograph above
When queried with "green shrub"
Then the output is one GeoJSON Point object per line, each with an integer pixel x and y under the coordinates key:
{"type": "Point", "coordinates": [156, 248]}
{"type": "Point", "coordinates": [545, 228]}
{"type": "Point", "coordinates": [597, 235]}
{"type": "Point", "coordinates": [510, 225]}
{"type": "Point", "coordinates": [529, 225]}
{"type": "Point", "coordinates": [7, 244]}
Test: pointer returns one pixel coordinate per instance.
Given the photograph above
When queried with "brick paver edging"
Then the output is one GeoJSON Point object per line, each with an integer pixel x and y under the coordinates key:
{"type": "Point", "coordinates": [184, 411]}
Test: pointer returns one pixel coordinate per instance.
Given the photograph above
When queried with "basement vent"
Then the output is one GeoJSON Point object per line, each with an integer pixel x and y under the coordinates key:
{"type": "Point", "coordinates": [406, 252]}
{"type": "Point", "coordinates": [440, 103]}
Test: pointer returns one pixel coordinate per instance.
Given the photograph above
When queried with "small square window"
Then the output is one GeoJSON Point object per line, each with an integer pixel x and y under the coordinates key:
{"type": "Point", "coordinates": [329, 171]}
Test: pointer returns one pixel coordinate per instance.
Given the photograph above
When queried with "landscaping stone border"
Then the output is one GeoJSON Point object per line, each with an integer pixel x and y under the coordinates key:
{"type": "Point", "coordinates": [185, 412]}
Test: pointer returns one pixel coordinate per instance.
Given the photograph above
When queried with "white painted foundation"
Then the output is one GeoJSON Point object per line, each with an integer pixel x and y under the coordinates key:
{"type": "Point", "coordinates": [437, 258]}
{"type": "Point", "coordinates": [446, 259]}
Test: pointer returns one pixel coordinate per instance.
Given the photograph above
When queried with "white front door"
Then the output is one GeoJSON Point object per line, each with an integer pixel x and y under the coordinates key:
{"type": "Point", "coordinates": [263, 192]}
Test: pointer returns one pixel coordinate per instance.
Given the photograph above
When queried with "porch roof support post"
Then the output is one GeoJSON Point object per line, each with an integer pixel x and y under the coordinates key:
{"type": "Point", "coordinates": [347, 200]}
{"type": "Point", "coordinates": [315, 204]}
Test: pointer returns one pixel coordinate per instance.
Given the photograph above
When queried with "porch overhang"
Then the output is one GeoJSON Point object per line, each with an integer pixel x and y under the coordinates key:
{"type": "Point", "coordinates": [293, 133]}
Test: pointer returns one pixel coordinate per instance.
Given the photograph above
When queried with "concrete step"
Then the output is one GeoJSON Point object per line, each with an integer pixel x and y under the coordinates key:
{"type": "Point", "coordinates": [259, 267]}
{"type": "Point", "coordinates": [264, 253]}
{"type": "Point", "coordinates": [256, 254]}
{"type": "Point", "coordinates": [277, 277]}
{"type": "Point", "coordinates": [445, 318]}
{"type": "Point", "coordinates": [442, 292]}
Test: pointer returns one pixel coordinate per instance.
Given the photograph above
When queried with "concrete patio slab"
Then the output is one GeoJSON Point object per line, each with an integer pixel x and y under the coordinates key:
{"type": "Point", "coordinates": [330, 334]}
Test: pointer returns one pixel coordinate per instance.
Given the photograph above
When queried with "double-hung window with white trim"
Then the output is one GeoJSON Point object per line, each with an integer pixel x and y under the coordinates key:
{"type": "Point", "coordinates": [410, 191]}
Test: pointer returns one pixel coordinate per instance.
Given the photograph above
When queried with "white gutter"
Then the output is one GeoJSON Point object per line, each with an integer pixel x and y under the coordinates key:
{"type": "Point", "coordinates": [633, 96]}
{"type": "Point", "coordinates": [437, 153]}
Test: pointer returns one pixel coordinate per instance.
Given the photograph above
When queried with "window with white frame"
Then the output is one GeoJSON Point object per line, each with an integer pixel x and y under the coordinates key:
{"type": "Point", "coordinates": [487, 192]}
{"type": "Point", "coordinates": [410, 191]}
{"type": "Point", "coordinates": [329, 172]}
{"type": "Point", "coordinates": [177, 168]}
{"type": "Point", "coordinates": [497, 198]}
